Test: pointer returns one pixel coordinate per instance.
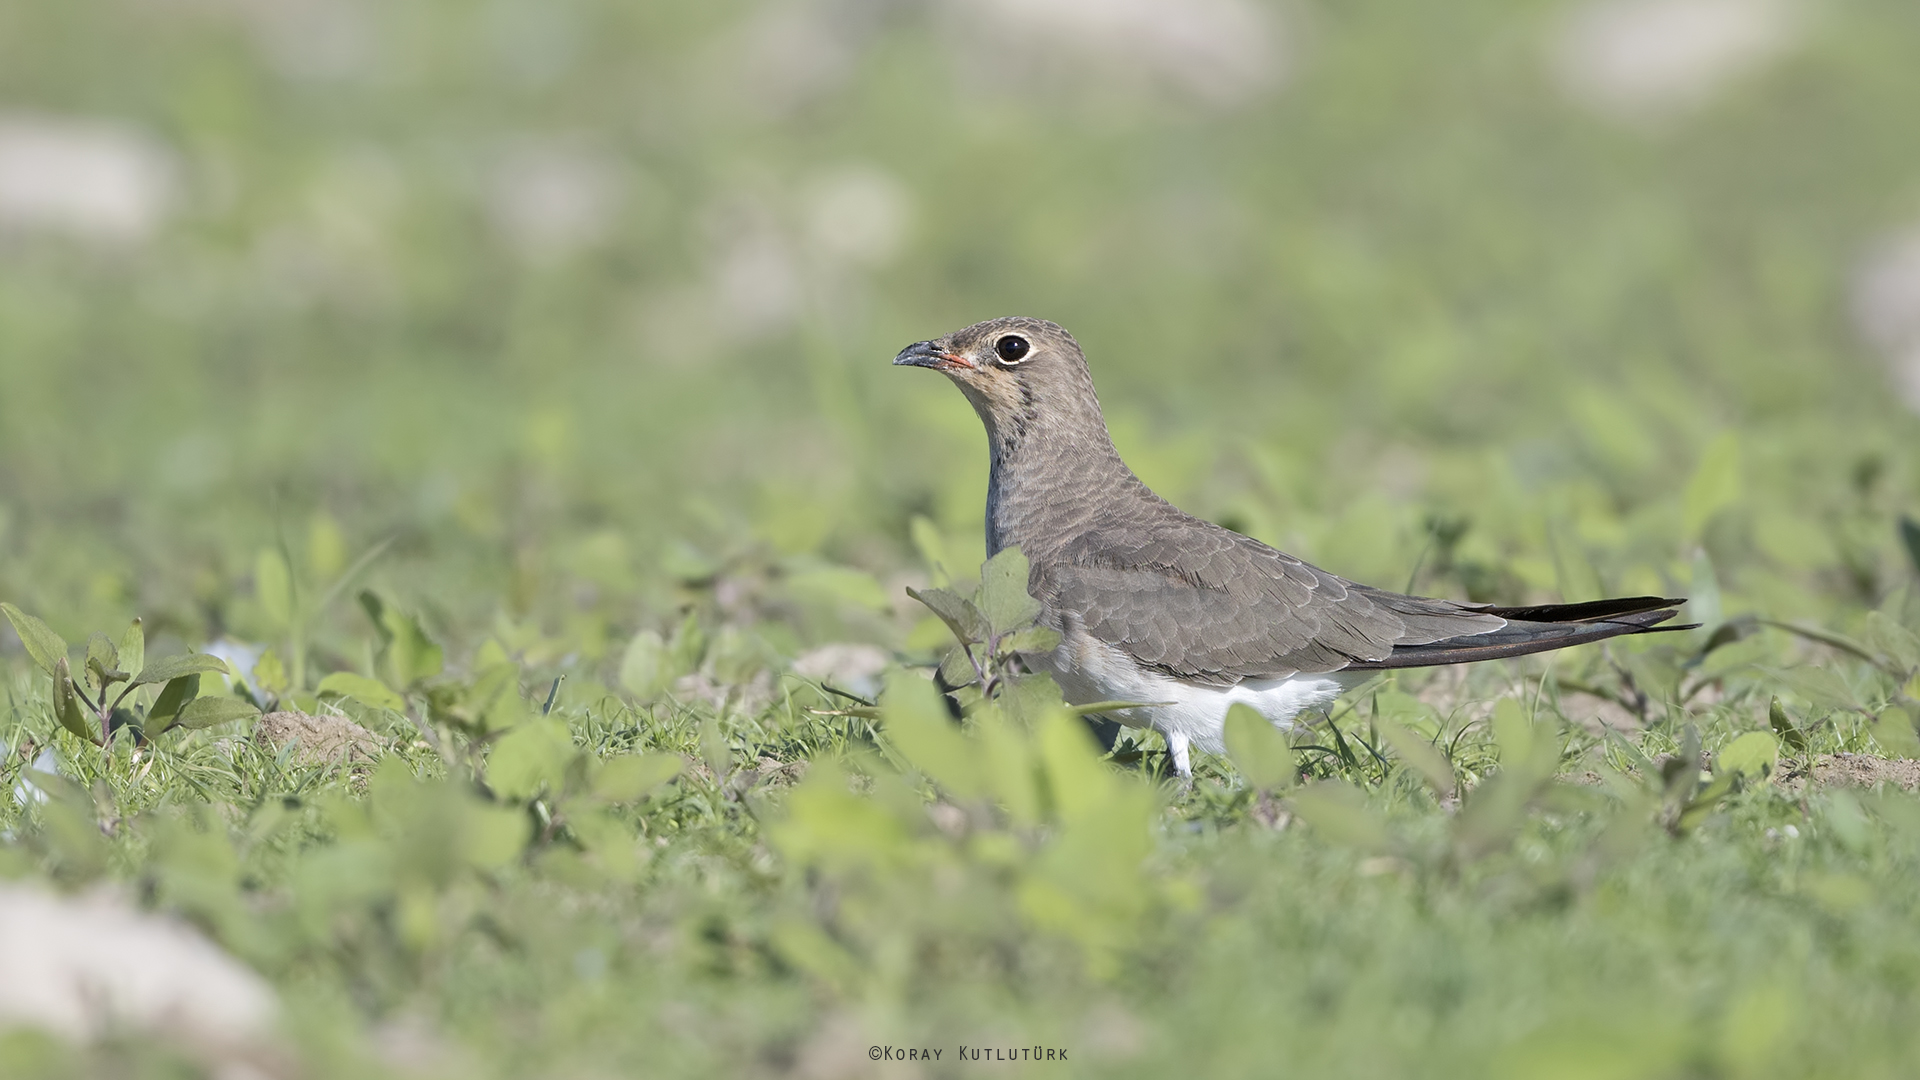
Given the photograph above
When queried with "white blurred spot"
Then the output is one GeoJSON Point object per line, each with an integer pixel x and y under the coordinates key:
{"type": "Point", "coordinates": [1645, 60]}
{"type": "Point", "coordinates": [858, 215]}
{"type": "Point", "coordinates": [552, 201]}
{"type": "Point", "coordinates": [758, 283]}
{"type": "Point", "coordinates": [1220, 51]}
{"type": "Point", "coordinates": [791, 51]}
{"type": "Point", "coordinates": [1886, 309]}
{"type": "Point", "coordinates": [845, 666]}
{"type": "Point", "coordinates": [240, 657]}
{"type": "Point", "coordinates": [97, 180]}
{"type": "Point", "coordinates": [86, 967]}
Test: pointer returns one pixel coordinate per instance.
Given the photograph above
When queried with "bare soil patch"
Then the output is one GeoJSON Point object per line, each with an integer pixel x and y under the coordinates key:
{"type": "Point", "coordinates": [322, 739]}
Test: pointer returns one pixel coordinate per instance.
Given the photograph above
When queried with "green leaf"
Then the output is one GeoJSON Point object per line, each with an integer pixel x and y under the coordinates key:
{"type": "Point", "coordinates": [1420, 755]}
{"type": "Point", "coordinates": [1894, 730]}
{"type": "Point", "coordinates": [170, 668]}
{"type": "Point", "coordinates": [270, 673]}
{"type": "Point", "coordinates": [1783, 727]}
{"type": "Point", "coordinates": [103, 663]}
{"type": "Point", "coordinates": [362, 689]}
{"type": "Point", "coordinates": [411, 655]}
{"type": "Point", "coordinates": [643, 667]}
{"type": "Point", "coordinates": [1512, 733]}
{"type": "Point", "coordinates": [1003, 592]}
{"type": "Point", "coordinates": [958, 612]}
{"type": "Point", "coordinates": [1259, 750]}
{"type": "Point", "coordinates": [167, 704]}
{"type": "Point", "coordinates": [933, 549]}
{"type": "Point", "coordinates": [1910, 539]}
{"type": "Point", "coordinates": [529, 759]}
{"type": "Point", "coordinates": [219, 709]}
{"type": "Point", "coordinates": [133, 648]}
{"type": "Point", "coordinates": [1034, 639]}
{"type": "Point", "coordinates": [67, 708]}
{"type": "Point", "coordinates": [1753, 755]}
{"type": "Point", "coordinates": [273, 586]}
{"type": "Point", "coordinates": [629, 779]}
{"type": "Point", "coordinates": [1339, 811]}
{"type": "Point", "coordinates": [493, 702]}
{"type": "Point", "coordinates": [1715, 485]}
{"type": "Point", "coordinates": [918, 727]}
{"type": "Point", "coordinates": [1895, 642]}
{"type": "Point", "coordinates": [956, 670]}
{"type": "Point", "coordinates": [46, 647]}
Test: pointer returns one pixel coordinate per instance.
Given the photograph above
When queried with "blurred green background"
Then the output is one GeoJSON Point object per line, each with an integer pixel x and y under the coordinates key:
{"type": "Point", "coordinates": [548, 287]}
{"type": "Point", "coordinates": [574, 317]}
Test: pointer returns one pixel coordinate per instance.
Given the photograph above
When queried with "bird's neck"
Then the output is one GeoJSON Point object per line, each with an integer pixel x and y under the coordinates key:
{"type": "Point", "coordinates": [1050, 476]}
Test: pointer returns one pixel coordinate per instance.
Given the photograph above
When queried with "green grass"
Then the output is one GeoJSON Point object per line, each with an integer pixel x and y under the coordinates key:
{"type": "Point", "coordinates": [1412, 316]}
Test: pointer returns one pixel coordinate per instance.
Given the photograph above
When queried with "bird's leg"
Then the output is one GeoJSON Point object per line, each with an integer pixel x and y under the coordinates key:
{"type": "Point", "coordinates": [1177, 748]}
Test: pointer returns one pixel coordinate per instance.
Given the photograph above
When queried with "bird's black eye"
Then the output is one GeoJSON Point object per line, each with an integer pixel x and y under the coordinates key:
{"type": "Point", "coordinates": [1012, 348]}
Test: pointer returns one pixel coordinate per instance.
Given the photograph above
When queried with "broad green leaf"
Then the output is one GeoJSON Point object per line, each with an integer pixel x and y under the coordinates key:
{"type": "Point", "coordinates": [933, 549]}
{"type": "Point", "coordinates": [1783, 727]}
{"type": "Point", "coordinates": [1893, 641]}
{"type": "Point", "coordinates": [493, 702]}
{"type": "Point", "coordinates": [1421, 756]}
{"type": "Point", "coordinates": [219, 709]}
{"type": "Point", "coordinates": [958, 612]}
{"type": "Point", "coordinates": [492, 836]}
{"type": "Point", "coordinates": [918, 727]}
{"type": "Point", "coordinates": [715, 749]}
{"type": "Point", "coordinates": [1715, 485]}
{"type": "Point", "coordinates": [529, 759]}
{"type": "Point", "coordinates": [1079, 783]}
{"type": "Point", "coordinates": [67, 708]}
{"type": "Point", "coordinates": [273, 587]}
{"type": "Point", "coordinates": [1259, 750]}
{"type": "Point", "coordinates": [1339, 811]}
{"type": "Point", "coordinates": [167, 704]}
{"type": "Point", "coordinates": [1753, 755]}
{"type": "Point", "coordinates": [103, 663]}
{"type": "Point", "coordinates": [1034, 639]}
{"type": "Point", "coordinates": [362, 689]}
{"type": "Point", "coordinates": [411, 655]}
{"type": "Point", "coordinates": [1894, 730]}
{"type": "Point", "coordinates": [1512, 733]}
{"type": "Point", "coordinates": [1010, 765]}
{"type": "Point", "coordinates": [170, 668]}
{"type": "Point", "coordinates": [643, 667]}
{"type": "Point", "coordinates": [957, 669]}
{"type": "Point", "coordinates": [270, 674]}
{"type": "Point", "coordinates": [326, 547]}
{"type": "Point", "coordinates": [133, 648]}
{"type": "Point", "coordinates": [1003, 592]}
{"type": "Point", "coordinates": [46, 647]}
{"type": "Point", "coordinates": [629, 779]}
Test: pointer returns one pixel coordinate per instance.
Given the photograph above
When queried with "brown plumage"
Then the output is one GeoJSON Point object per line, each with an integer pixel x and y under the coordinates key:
{"type": "Point", "coordinates": [1149, 599]}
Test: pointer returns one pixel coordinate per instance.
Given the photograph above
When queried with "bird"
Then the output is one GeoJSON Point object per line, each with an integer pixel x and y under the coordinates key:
{"type": "Point", "coordinates": [1175, 615]}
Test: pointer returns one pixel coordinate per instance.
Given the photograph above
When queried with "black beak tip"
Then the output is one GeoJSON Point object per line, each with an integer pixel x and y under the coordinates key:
{"type": "Point", "coordinates": [918, 354]}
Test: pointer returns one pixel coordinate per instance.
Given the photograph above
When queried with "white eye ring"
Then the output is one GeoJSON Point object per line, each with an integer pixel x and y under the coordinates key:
{"type": "Point", "coordinates": [1012, 349]}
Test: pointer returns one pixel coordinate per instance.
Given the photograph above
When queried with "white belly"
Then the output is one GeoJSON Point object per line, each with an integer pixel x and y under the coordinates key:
{"type": "Point", "coordinates": [1090, 670]}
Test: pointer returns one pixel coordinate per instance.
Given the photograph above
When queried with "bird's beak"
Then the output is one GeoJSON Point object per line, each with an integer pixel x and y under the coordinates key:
{"type": "Point", "coordinates": [927, 355]}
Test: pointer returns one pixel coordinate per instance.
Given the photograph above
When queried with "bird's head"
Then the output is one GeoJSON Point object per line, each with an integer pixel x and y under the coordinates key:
{"type": "Point", "coordinates": [1016, 371]}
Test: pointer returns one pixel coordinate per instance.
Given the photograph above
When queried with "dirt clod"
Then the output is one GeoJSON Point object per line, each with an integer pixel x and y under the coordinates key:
{"type": "Point", "coordinates": [1854, 770]}
{"type": "Point", "coordinates": [322, 739]}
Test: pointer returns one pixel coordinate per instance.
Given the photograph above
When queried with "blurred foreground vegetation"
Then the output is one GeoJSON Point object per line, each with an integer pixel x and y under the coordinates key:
{"type": "Point", "coordinates": [511, 379]}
